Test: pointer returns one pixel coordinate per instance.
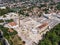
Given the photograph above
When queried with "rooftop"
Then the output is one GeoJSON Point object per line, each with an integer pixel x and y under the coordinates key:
{"type": "Point", "coordinates": [12, 23]}
{"type": "Point", "coordinates": [43, 25]}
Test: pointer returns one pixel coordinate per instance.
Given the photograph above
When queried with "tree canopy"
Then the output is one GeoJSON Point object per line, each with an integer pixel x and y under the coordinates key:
{"type": "Point", "coordinates": [5, 11]}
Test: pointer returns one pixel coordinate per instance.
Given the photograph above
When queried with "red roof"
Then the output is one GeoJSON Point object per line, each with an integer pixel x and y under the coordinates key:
{"type": "Point", "coordinates": [12, 23]}
{"type": "Point", "coordinates": [43, 25]}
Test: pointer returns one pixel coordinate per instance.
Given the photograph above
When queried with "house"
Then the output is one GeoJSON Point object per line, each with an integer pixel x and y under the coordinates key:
{"type": "Point", "coordinates": [12, 25]}
{"type": "Point", "coordinates": [42, 27]}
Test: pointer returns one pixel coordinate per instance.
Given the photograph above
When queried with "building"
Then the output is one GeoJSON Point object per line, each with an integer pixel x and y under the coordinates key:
{"type": "Point", "coordinates": [12, 25]}
{"type": "Point", "coordinates": [42, 27]}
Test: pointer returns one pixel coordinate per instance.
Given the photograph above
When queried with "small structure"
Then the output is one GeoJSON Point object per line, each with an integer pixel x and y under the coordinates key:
{"type": "Point", "coordinates": [12, 25]}
{"type": "Point", "coordinates": [42, 27]}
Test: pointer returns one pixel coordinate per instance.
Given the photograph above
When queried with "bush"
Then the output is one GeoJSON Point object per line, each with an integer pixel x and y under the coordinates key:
{"type": "Point", "coordinates": [1, 21]}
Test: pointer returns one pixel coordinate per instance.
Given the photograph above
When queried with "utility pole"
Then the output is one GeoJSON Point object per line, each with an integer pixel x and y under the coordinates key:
{"type": "Point", "coordinates": [18, 18]}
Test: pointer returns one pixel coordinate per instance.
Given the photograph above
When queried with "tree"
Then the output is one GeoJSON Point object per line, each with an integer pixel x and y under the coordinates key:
{"type": "Point", "coordinates": [45, 42]}
{"type": "Point", "coordinates": [5, 11]}
{"type": "Point", "coordinates": [58, 6]}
